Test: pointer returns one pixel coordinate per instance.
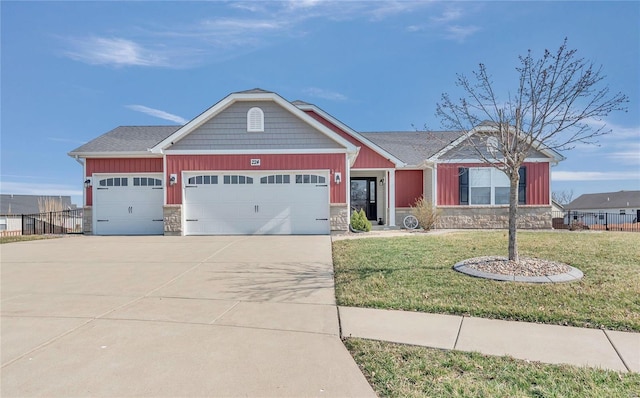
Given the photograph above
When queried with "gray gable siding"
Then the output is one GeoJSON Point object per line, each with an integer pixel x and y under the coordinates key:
{"type": "Point", "coordinates": [466, 150]}
{"type": "Point", "coordinates": [228, 130]}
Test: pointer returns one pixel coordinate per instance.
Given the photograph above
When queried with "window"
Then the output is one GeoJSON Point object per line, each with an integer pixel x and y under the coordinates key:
{"type": "Point", "coordinates": [488, 186]}
{"type": "Point", "coordinates": [276, 179]}
{"type": "Point", "coordinates": [310, 179]}
{"type": "Point", "coordinates": [202, 180]}
{"type": "Point", "coordinates": [113, 182]}
{"type": "Point", "coordinates": [235, 180]}
{"type": "Point", "coordinates": [146, 182]}
{"type": "Point", "coordinates": [255, 120]}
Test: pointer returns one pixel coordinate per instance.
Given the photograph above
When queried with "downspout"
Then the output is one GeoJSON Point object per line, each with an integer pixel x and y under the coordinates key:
{"type": "Point", "coordinates": [84, 176]}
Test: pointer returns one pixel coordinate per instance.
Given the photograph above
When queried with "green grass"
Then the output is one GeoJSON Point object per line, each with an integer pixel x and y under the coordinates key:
{"type": "Point", "coordinates": [25, 238]}
{"type": "Point", "coordinates": [395, 370]}
{"type": "Point", "coordinates": [415, 274]}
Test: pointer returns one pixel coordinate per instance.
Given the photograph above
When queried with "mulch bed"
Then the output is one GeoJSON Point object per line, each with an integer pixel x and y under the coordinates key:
{"type": "Point", "coordinates": [527, 266]}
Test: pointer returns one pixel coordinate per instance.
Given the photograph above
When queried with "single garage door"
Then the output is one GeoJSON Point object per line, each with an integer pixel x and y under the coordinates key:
{"type": "Point", "coordinates": [278, 203]}
{"type": "Point", "coordinates": [128, 205]}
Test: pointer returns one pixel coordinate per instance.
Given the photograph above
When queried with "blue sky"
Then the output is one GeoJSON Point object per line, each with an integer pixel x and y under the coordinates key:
{"type": "Point", "coordinates": [72, 71]}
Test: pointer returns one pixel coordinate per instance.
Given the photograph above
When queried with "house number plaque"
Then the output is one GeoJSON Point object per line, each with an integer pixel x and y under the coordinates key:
{"type": "Point", "coordinates": [255, 162]}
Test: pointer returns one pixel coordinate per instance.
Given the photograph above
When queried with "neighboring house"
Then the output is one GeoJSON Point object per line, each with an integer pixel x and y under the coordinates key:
{"type": "Point", "coordinates": [13, 206]}
{"type": "Point", "coordinates": [255, 163]}
{"type": "Point", "coordinates": [556, 207]}
{"type": "Point", "coordinates": [594, 208]}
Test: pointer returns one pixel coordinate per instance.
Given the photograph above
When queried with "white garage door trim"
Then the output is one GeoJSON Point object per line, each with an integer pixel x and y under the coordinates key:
{"type": "Point", "coordinates": [269, 202]}
{"type": "Point", "coordinates": [128, 203]}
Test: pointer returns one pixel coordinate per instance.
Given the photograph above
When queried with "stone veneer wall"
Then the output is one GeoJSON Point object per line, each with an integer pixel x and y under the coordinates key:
{"type": "Point", "coordinates": [472, 217]}
{"type": "Point", "coordinates": [87, 221]}
{"type": "Point", "coordinates": [339, 217]}
{"type": "Point", "coordinates": [172, 215]}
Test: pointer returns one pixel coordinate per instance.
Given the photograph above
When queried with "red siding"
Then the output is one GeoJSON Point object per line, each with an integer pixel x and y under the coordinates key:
{"type": "Point", "coordinates": [120, 165]}
{"type": "Point", "coordinates": [335, 162]}
{"type": "Point", "coordinates": [537, 183]}
{"type": "Point", "coordinates": [409, 187]}
{"type": "Point", "coordinates": [367, 158]}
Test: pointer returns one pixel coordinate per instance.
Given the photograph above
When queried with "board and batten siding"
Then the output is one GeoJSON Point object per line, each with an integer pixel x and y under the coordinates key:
{"type": "Point", "coordinates": [335, 162]}
{"type": "Point", "coordinates": [409, 187]}
{"type": "Point", "coordinates": [538, 178]}
{"type": "Point", "coordinates": [119, 165]}
{"type": "Point", "coordinates": [228, 130]}
{"type": "Point", "coordinates": [367, 158]}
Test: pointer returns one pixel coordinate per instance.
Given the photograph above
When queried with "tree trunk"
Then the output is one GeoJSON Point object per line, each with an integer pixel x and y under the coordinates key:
{"type": "Point", "coordinates": [513, 216]}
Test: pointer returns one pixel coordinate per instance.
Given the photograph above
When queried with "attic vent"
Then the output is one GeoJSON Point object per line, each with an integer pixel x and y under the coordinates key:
{"type": "Point", "coordinates": [255, 120]}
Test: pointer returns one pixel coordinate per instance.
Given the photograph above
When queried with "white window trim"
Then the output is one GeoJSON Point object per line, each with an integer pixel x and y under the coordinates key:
{"type": "Point", "coordinates": [255, 120]}
{"type": "Point", "coordinates": [492, 186]}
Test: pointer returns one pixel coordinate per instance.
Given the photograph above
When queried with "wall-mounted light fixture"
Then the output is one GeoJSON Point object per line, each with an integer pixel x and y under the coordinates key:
{"type": "Point", "coordinates": [337, 177]}
{"type": "Point", "coordinates": [382, 181]}
{"type": "Point", "coordinates": [173, 179]}
{"type": "Point", "coordinates": [87, 182]}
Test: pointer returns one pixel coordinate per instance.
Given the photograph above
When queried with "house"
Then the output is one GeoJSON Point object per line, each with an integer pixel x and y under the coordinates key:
{"type": "Point", "coordinates": [595, 208]}
{"type": "Point", "coordinates": [13, 206]}
{"type": "Point", "coordinates": [255, 163]}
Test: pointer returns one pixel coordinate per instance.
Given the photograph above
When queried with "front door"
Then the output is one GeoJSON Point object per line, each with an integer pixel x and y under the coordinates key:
{"type": "Point", "coordinates": [363, 196]}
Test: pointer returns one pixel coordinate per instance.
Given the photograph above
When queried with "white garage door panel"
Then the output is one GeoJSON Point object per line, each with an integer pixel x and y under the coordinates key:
{"type": "Point", "coordinates": [273, 209]}
{"type": "Point", "coordinates": [127, 210]}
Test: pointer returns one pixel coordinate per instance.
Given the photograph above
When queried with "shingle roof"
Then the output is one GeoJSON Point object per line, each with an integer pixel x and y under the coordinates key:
{"type": "Point", "coordinates": [606, 200]}
{"type": "Point", "coordinates": [28, 204]}
{"type": "Point", "coordinates": [413, 147]}
{"type": "Point", "coordinates": [127, 139]}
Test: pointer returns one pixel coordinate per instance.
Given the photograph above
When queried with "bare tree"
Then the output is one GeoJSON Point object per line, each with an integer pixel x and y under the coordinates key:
{"type": "Point", "coordinates": [556, 98]}
{"type": "Point", "coordinates": [562, 197]}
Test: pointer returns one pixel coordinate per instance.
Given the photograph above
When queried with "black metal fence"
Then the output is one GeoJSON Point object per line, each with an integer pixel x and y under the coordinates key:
{"type": "Point", "coordinates": [577, 220]}
{"type": "Point", "coordinates": [55, 222]}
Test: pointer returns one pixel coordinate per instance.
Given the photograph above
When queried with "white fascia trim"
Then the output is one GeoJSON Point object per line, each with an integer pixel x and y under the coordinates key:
{"type": "Point", "coordinates": [256, 151]}
{"type": "Point", "coordinates": [88, 155]}
{"type": "Point", "coordinates": [532, 160]}
{"type": "Point", "coordinates": [354, 134]}
{"type": "Point", "coordinates": [232, 98]}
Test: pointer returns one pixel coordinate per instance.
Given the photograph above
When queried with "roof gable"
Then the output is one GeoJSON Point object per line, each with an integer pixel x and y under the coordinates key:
{"type": "Point", "coordinates": [255, 96]}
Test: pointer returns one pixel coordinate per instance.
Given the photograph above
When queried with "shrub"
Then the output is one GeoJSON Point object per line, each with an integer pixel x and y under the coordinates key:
{"type": "Point", "coordinates": [359, 221]}
{"type": "Point", "coordinates": [426, 213]}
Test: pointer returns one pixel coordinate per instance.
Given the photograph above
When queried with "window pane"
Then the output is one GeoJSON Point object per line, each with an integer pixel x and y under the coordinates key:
{"type": "Point", "coordinates": [199, 180]}
{"type": "Point", "coordinates": [136, 181]}
{"type": "Point", "coordinates": [263, 180]}
{"type": "Point", "coordinates": [241, 180]}
{"type": "Point", "coordinates": [285, 179]}
{"type": "Point", "coordinates": [110, 182]}
{"type": "Point", "coordinates": [124, 182]}
{"type": "Point", "coordinates": [306, 178]}
{"type": "Point", "coordinates": [500, 179]}
{"type": "Point", "coordinates": [214, 179]}
{"type": "Point", "coordinates": [271, 179]}
{"type": "Point", "coordinates": [227, 179]}
{"type": "Point", "coordinates": [298, 179]}
{"type": "Point", "coordinates": [480, 196]}
{"type": "Point", "coordinates": [279, 179]}
{"type": "Point", "coordinates": [249, 180]}
{"type": "Point", "coordinates": [158, 182]}
{"type": "Point", "coordinates": [116, 182]}
{"type": "Point", "coordinates": [480, 177]}
{"type": "Point", "coordinates": [234, 179]}
{"type": "Point", "coordinates": [191, 180]}
{"type": "Point", "coordinates": [321, 180]}
{"type": "Point", "coordinates": [143, 182]}
{"type": "Point", "coordinates": [206, 179]}
{"type": "Point", "coordinates": [103, 183]}
{"type": "Point", "coordinates": [314, 179]}
{"type": "Point", "coordinates": [502, 196]}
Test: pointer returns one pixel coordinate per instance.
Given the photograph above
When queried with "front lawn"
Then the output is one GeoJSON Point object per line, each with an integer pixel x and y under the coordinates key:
{"type": "Point", "coordinates": [396, 370]}
{"type": "Point", "coordinates": [414, 273]}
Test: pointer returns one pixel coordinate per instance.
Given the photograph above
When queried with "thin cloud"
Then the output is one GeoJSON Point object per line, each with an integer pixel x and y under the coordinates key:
{"type": "Point", "coordinates": [593, 175]}
{"type": "Point", "coordinates": [113, 51]}
{"type": "Point", "coordinates": [27, 188]}
{"type": "Point", "coordinates": [460, 33]}
{"type": "Point", "coordinates": [324, 94]}
{"type": "Point", "coordinates": [158, 113]}
{"type": "Point", "coordinates": [57, 139]}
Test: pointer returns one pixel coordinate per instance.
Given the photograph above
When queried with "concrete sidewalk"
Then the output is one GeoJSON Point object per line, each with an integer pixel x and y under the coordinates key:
{"type": "Point", "coordinates": [530, 341]}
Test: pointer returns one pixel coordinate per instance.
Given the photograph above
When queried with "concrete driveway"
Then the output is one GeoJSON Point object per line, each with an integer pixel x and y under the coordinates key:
{"type": "Point", "coordinates": [173, 316]}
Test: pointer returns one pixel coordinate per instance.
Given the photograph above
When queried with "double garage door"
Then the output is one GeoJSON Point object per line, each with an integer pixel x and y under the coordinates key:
{"type": "Point", "coordinates": [280, 203]}
{"type": "Point", "coordinates": [215, 203]}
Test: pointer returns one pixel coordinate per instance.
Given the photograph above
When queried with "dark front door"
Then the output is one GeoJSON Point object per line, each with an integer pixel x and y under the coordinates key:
{"type": "Point", "coordinates": [363, 196]}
